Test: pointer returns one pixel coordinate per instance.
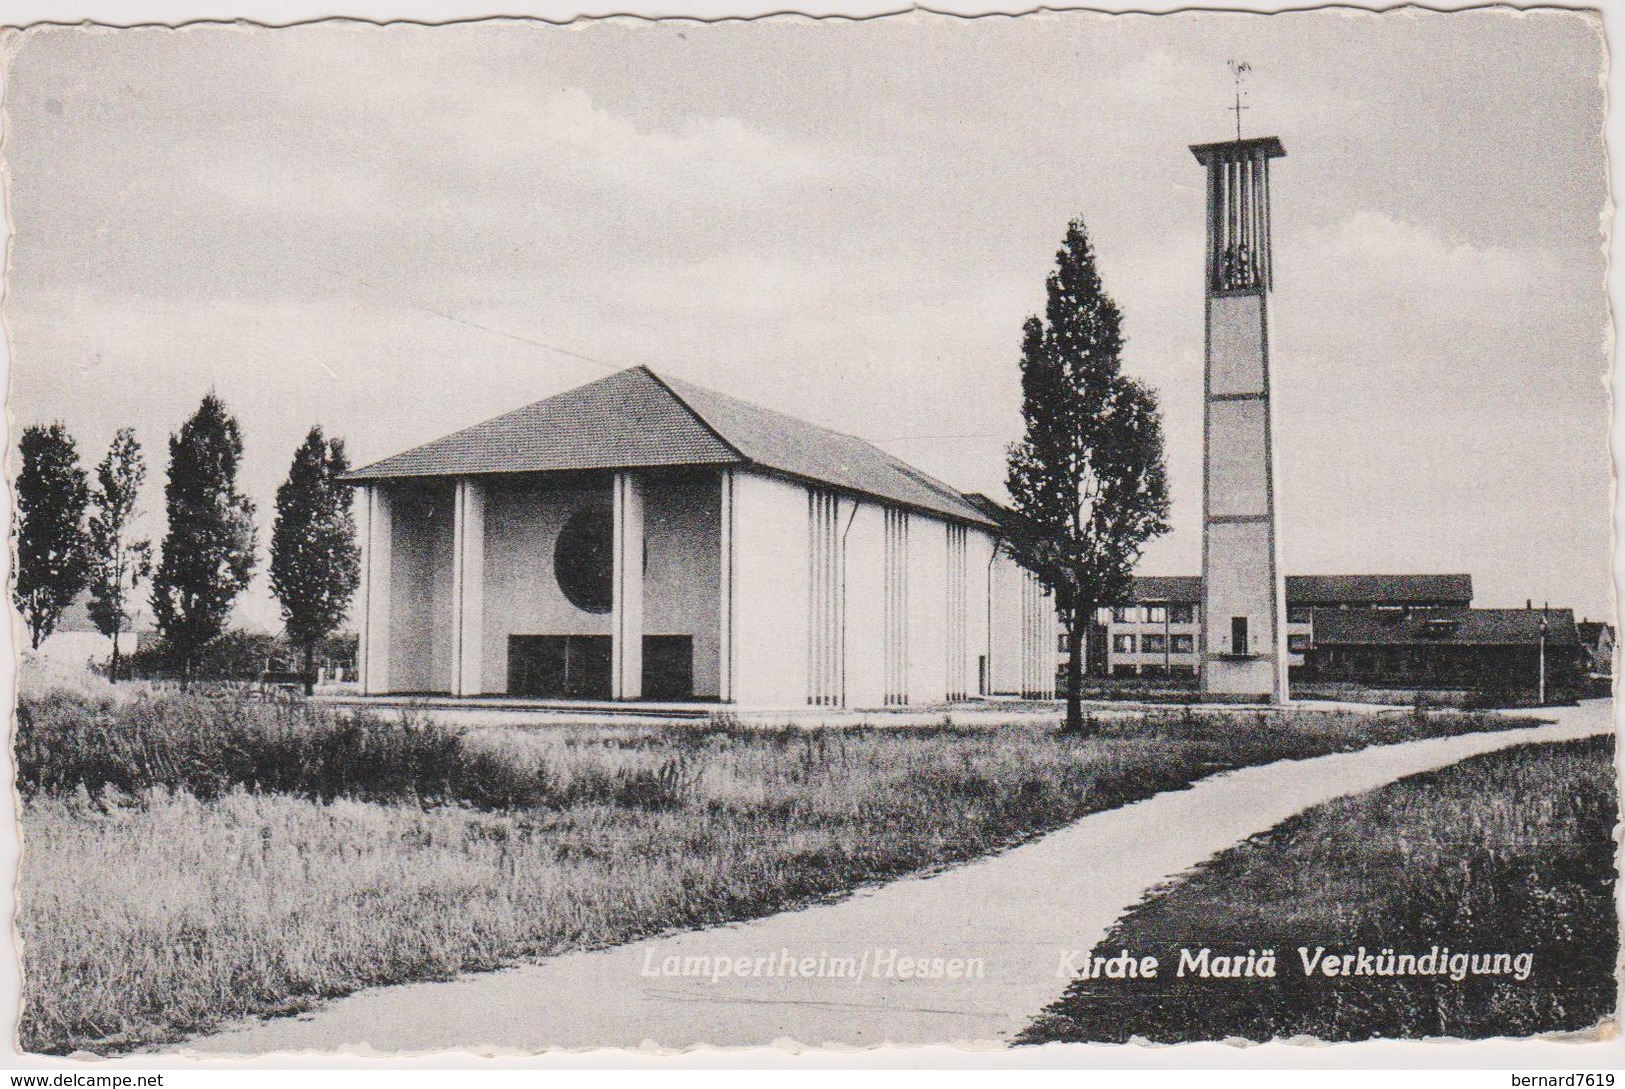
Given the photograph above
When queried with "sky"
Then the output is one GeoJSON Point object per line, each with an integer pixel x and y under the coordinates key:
{"type": "Point", "coordinates": [399, 231]}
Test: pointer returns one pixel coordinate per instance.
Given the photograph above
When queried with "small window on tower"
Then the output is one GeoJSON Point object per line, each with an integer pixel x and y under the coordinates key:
{"type": "Point", "coordinates": [1238, 635]}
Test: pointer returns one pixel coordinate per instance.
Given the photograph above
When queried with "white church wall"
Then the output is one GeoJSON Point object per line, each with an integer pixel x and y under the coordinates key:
{"type": "Point", "coordinates": [1025, 630]}
{"type": "Point", "coordinates": [522, 595]}
{"type": "Point", "coordinates": [680, 591]}
{"type": "Point", "coordinates": [927, 609]}
{"type": "Point", "coordinates": [1005, 645]}
{"type": "Point", "coordinates": [420, 630]}
{"type": "Point", "coordinates": [865, 531]}
{"type": "Point", "coordinates": [770, 589]}
{"type": "Point", "coordinates": [1041, 648]}
{"type": "Point", "coordinates": [978, 552]}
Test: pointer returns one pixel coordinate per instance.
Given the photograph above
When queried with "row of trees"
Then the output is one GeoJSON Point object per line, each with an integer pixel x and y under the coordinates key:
{"type": "Point", "coordinates": [1087, 483]}
{"type": "Point", "coordinates": [74, 535]}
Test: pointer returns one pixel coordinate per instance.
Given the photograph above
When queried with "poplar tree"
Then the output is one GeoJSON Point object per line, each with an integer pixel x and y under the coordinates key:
{"type": "Point", "coordinates": [315, 560]}
{"type": "Point", "coordinates": [51, 497]}
{"type": "Point", "coordinates": [208, 550]}
{"type": "Point", "coordinates": [1087, 480]}
{"type": "Point", "coordinates": [118, 563]}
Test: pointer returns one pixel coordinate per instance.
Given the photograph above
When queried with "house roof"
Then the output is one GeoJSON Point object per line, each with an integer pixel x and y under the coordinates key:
{"type": "Point", "coordinates": [76, 617]}
{"type": "Point", "coordinates": [1592, 630]}
{"type": "Point", "coordinates": [1482, 627]}
{"type": "Point", "coordinates": [1379, 589]}
{"type": "Point", "coordinates": [1323, 590]}
{"type": "Point", "coordinates": [1179, 589]}
{"type": "Point", "coordinates": [636, 419]}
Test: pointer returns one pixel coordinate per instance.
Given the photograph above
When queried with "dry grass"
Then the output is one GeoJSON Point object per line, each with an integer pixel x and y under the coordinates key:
{"type": "Point", "coordinates": [152, 906]}
{"type": "Point", "coordinates": [1512, 852]}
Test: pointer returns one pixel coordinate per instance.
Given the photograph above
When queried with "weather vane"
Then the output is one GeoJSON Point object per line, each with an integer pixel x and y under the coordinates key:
{"type": "Point", "coordinates": [1239, 69]}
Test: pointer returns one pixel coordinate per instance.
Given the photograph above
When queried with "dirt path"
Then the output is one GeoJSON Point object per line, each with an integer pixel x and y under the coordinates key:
{"type": "Point", "coordinates": [1014, 913]}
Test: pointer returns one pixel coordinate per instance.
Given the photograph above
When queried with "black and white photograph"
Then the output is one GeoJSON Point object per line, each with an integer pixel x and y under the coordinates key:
{"type": "Point", "coordinates": [820, 535]}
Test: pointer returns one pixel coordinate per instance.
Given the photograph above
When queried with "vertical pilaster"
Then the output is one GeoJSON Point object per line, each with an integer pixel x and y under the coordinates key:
{"type": "Point", "coordinates": [377, 541]}
{"type": "Point", "coordinates": [468, 589]}
{"type": "Point", "coordinates": [725, 590]}
{"type": "Point", "coordinates": [627, 612]}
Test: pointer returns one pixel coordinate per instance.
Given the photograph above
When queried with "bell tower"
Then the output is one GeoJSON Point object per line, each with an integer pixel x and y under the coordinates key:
{"type": "Point", "coordinates": [1243, 651]}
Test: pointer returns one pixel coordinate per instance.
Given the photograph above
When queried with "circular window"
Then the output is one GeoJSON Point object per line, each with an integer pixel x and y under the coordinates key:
{"type": "Point", "coordinates": [583, 560]}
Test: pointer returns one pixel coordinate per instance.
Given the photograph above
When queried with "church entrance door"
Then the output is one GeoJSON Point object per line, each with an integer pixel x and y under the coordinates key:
{"type": "Point", "coordinates": [570, 667]}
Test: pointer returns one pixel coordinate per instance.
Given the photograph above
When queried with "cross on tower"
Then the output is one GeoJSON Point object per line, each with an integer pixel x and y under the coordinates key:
{"type": "Point", "coordinates": [1238, 69]}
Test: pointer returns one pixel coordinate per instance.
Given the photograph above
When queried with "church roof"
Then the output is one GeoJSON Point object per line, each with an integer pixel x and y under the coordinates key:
{"type": "Point", "coordinates": [636, 419]}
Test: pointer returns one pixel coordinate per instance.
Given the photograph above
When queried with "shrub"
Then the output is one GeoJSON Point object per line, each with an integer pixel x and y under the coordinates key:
{"type": "Point", "coordinates": [66, 742]}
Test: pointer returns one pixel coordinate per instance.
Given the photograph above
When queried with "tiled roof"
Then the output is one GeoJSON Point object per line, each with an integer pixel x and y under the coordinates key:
{"type": "Point", "coordinates": [1326, 589]}
{"type": "Point", "coordinates": [1592, 630]}
{"type": "Point", "coordinates": [635, 419]}
{"type": "Point", "coordinates": [1179, 589]}
{"type": "Point", "coordinates": [783, 443]}
{"type": "Point", "coordinates": [1379, 589]}
{"type": "Point", "coordinates": [628, 420]}
{"type": "Point", "coordinates": [1484, 627]}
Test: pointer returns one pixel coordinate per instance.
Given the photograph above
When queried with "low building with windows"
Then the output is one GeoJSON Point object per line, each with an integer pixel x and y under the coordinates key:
{"type": "Point", "coordinates": [640, 537]}
{"type": "Point", "coordinates": [1157, 632]}
{"type": "Point", "coordinates": [1486, 649]}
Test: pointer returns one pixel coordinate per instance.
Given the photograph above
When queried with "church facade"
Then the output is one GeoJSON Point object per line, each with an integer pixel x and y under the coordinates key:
{"type": "Point", "coordinates": [642, 538]}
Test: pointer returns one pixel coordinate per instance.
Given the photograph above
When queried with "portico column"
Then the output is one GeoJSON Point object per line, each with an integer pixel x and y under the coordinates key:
{"type": "Point", "coordinates": [627, 612]}
{"type": "Point", "coordinates": [468, 589]}
{"type": "Point", "coordinates": [376, 541]}
{"type": "Point", "coordinates": [725, 589]}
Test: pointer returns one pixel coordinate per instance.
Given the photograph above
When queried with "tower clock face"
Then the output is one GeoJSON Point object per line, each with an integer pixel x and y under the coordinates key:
{"type": "Point", "coordinates": [584, 561]}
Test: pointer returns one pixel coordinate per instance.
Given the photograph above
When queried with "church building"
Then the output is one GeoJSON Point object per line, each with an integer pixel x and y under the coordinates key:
{"type": "Point", "coordinates": [640, 537]}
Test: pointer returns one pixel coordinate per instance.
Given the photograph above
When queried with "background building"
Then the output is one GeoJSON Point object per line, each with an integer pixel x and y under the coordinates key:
{"type": "Point", "coordinates": [1156, 633]}
{"type": "Point", "coordinates": [1484, 649]}
{"type": "Point", "coordinates": [77, 644]}
{"type": "Point", "coordinates": [1597, 641]}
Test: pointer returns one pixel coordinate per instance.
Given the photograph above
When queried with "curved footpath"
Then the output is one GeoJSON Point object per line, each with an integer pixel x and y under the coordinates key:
{"type": "Point", "coordinates": [1015, 912]}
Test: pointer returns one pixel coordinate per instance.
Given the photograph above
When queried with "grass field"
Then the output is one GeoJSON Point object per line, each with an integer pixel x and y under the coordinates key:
{"type": "Point", "coordinates": [188, 861]}
{"type": "Point", "coordinates": [1510, 852]}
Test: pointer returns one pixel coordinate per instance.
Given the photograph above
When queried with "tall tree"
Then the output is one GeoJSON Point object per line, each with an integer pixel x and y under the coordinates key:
{"type": "Point", "coordinates": [50, 531]}
{"type": "Point", "coordinates": [1087, 479]}
{"type": "Point", "coordinates": [315, 560]}
{"type": "Point", "coordinates": [208, 549]}
{"type": "Point", "coordinates": [118, 562]}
